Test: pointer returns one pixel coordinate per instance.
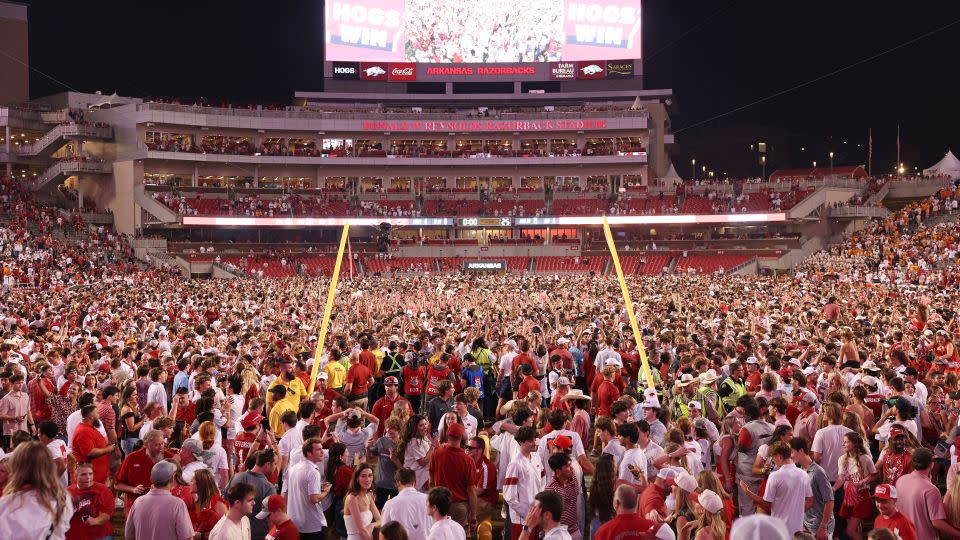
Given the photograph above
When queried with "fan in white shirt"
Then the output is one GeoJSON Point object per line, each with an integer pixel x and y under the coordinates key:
{"type": "Point", "coordinates": [438, 506]}
{"type": "Point", "coordinates": [407, 506]}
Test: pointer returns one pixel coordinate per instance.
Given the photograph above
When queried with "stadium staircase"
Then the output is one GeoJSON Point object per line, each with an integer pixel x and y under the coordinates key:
{"type": "Point", "coordinates": [154, 207]}
{"type": "Point", "coordinates": [60, 135]}
{"type": "Point", "coordinates": [61, 170]}
{"type": "Point", "coordinates": [834, 191]}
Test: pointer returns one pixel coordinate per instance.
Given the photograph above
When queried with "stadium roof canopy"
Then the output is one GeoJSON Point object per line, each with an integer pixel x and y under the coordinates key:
{"type": "Point", "coordinates": [948, 166]}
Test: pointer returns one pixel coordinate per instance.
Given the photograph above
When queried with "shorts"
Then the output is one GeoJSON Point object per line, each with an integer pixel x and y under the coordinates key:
{"type": "Point", "coordinates": [861, 510]}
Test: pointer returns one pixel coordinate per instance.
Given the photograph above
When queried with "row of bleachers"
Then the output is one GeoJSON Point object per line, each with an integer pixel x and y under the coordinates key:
{"type": "Point", "coordinates": [708, 264]}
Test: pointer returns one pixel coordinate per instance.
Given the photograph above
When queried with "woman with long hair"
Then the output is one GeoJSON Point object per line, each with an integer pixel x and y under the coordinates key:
{"type": "Point", "coordinates": [35, 504]}
{"type": "Point", "coordinates": [852, 421]}
{"type": "Point", "coordinates": [601, 492]}
{"type": "Point", "coordinates": [951, 502]}
{"type": "Point", "coordinates": [725, 450]}
{"type": "Point", "coordinates": [416, 448]}
{"type": "Point", "coordinates": [130, 419]}
{"type": "Point", "coordinates": [710, 524]}
{"type": "Point", "coordinates": [339, 474]}
{"type": "Point", "coordinates": [708, 480]}
{"type": "Point", "coordinates": [856, 473]}
{"type": "Point", "coordinates": [218, 456]}
{"type": "Point", "coordinates": [206, 506]}
{"type": "Point", "coordinates": [360, 512]}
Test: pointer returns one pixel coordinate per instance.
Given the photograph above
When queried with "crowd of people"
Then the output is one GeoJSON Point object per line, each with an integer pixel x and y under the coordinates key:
{"type": "Point", "coordinates": [818, 405]}
{"type": "Point", "coordinates": [481, 32]}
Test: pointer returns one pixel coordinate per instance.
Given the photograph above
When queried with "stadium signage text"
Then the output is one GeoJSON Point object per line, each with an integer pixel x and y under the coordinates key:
{"type": "Point", "coordinates": [484, 265]}
{"type": "Point", "coordinates": [475, 125]}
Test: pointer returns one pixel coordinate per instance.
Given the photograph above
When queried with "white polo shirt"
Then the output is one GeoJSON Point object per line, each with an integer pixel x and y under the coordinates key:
{"type": "Point", "coordinates": [305, 479]}
{"type": "Point", "coordinates": [409, 508]}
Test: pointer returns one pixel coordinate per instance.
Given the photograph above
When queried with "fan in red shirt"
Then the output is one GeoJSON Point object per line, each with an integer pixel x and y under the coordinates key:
{"type": "Point", "coordinates": [358, 381]}
{"type": "Point", "coordinates": [890, 518]}
{"type": "Point", "coordinates": [628, 524]}
{"type": "Point", "coordinates": [93, 505]}
{"type": "Point", "coordinates": [529, 382]}
{"type": "Point", "coordinates": [38, 401]}
{"type": "Point", "coordinates": [274, 512]}
{"type": "Point", "coordinates": [90, 445]}
{"type": "Point", "coordinates": [384, 406]}
{"type": "Point", "coordinates": [453, 469]}
{"type": "Point", "coordinates": [607, 392]}
{"type": "Point", "coordinates": [250, 439]}
{"type": "Point", "coordinates": [133, 478]}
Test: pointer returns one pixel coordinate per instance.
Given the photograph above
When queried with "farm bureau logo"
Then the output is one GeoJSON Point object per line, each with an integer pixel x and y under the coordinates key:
{"type": "Point", "coordinates": [563, 70]}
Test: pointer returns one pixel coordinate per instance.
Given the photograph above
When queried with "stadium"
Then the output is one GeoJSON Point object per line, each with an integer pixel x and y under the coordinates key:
{"type": "Point", "coordinates": [465, 275]}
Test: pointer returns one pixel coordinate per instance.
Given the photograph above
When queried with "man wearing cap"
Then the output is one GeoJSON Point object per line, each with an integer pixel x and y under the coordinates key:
{"type": "Point", "coordinates": [707, 395]}
{"type": "Point", "coordinates": [133, 478]}
{"type": "Point", "coordinates": [453, 469]}
{"type": "Point", "coordinates": [244, 442]}
{"type": "Point", "coordinates": [384, 406]}
{"type": "Point", "coordinates": [191, 458]}
{"type": "Point", "coordinates": [607, 392]}
{"type": "Point", "coordinates": [805, 425]}
{"type": "Point", "coordinates": [687, 390]}
{"type": "Point", "coordinates": [274, 513]}
{"type": "Point", "coordinates": [159, 515]}
{"type": "Point", "coordinates": [885, 496]}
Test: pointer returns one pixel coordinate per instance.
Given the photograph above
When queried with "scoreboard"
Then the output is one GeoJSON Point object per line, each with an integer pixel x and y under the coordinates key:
{"type": "Point", "coordinates": [485, 222]}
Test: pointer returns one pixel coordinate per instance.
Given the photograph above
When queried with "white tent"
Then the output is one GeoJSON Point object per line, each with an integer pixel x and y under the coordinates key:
{"type": "Point", "coordinates": [671, 179]}
{"type": "Point", "coordinates": [107, 102]}
{"type": "Point", "coordinates": [948, 166]}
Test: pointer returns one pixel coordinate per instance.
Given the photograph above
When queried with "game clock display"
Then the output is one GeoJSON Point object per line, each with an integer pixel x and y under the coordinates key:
{"type": "Point", "coordinates": [486, 222]}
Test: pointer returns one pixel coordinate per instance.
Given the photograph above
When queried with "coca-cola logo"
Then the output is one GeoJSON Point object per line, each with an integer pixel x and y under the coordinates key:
{"type": "Point", "coordinates": [403, 71]}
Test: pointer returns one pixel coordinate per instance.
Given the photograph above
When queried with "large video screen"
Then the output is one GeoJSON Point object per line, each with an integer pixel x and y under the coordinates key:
{"type": "Point", "coordinates": [481, 31]}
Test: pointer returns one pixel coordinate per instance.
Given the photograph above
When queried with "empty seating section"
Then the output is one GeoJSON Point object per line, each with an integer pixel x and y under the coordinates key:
{"type": "Point", "coordinates": [645, 265]}
{"type": "Point", "coordinates": [570, 264]}
{"type": "Point", "coordinates": [515, 208]}
{"type": "Point", "coordinates": [275, 267]}
{"type": "Point", "coordinates": [708, 264]}
{"type": "Point", "coordinates": [451, 207]}
{"type": "Point", "coordinates": [585, 207]}
{"type": "Point", "coordinates": [399, 264]}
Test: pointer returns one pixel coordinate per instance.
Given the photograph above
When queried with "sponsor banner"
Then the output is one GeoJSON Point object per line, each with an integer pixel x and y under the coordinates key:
{"type": "Point", "coordinates": [346, 70]}
{"type": "Point", "coordinates": [619, 69]}
{"type": "Point", "coordinates": [677, 219]}
{"type": "Point", "coordinates": [373, 71]}
{"type": "Point", "coordinates": [591, 70]}
{"type": "Point", "coordinates": [368, 30]}
{"type": "Point", "coordinates": [560, 71]}
{"type": "Point", "coordinates": [480, 125]}
{"type": "Point", "coordinates": [484, 266]}
{"type": "Point", "coordinates": [403, 71]}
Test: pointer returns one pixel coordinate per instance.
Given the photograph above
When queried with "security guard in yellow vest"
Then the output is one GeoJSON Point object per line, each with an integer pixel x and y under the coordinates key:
{"type": "Point", "coordinates": [732, 388]}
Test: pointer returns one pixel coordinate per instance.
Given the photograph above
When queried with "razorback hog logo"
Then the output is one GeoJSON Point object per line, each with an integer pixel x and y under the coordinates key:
{"type": "Point", "coordinates": [592, 69]}
{"type": "Point", "coordinates": [376, 71]}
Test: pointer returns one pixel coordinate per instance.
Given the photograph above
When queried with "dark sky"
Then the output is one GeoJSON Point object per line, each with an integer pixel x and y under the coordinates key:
{"type": "Point", "coordinates": [716, 56]}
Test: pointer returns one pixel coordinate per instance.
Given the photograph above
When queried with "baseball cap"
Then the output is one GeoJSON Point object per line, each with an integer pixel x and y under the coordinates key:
{"type": "Point", "coordinates": [694, 405]}
{"type": "Point", "coordinates": [709, 500]}
{"type": "Point", "coordinates": [455, 430]}
{"type": "Point", "coordinates": [323, 376]}
{"type": "Point", "coordinates": [805, 396]}
{"type": "Point", "coordinates": [193, 446]}
{"type": "Point", "coordinates": [250, 420]}
{"type": "Point", "coordinates": [270, 505]}
{"type": "Point", "coordinates": [563, 442]}
{"type": "Point", "coordinates": [162, 472]}
{"type": "Point", "coordinates": [686, 481]}
{"type": "Point", "coordinates": [872, 382]}
{"type": "Point", "coordinates": [667, 473]}
{"type": "Point", "coordinates": [885, 491]}
{"type": "Point", "coordinates": [651, 403]}
{"type": "Point", "coordinates": [752, 360]}
{"type": "Point", "coordinates": [563, 381]}
{"type": "Point", "coordinates": [391, 380]}
{"type": "Point", "coordinates": [563, 341]}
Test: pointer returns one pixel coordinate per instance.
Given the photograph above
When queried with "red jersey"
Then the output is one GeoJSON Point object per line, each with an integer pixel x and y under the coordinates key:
{"type": "Point", "coordinates": [88, 504]}
{"type": "Point", "coordinates": [85, 439]}
{"type": "Point", "coordinates": [135, 471]}
{"type": "Point", "coordinates": [607, 393]}
{"type": "Point", "coordinates": [368, 359]}
{"type": "Point", "coordinates": [284, 531]}
{"type": "Point", "coordinates": [628, 527]}
{"type": "Point", "coordinates": [241, 445]}
{"type": "Point", "coordinates": [527, 385]}
{"type": "Point", "coordinates": [453, 469]}
{"type": "Point", "coordinates": [486, 475]}
{"type": "Point", "coordinates": [382, 409]}
{"type": "Point", "coordinates": [413, 381]}
{"type": "Point", "coordinates": [434, 376]}
{"type": "Point", "coordinates": [899, 523]}
{"type": "Point", "coordinates": [359, 376]}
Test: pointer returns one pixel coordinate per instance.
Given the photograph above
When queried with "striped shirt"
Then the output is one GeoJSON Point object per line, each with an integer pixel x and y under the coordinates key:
{"type": "Point", "coordinates": [570, 494]}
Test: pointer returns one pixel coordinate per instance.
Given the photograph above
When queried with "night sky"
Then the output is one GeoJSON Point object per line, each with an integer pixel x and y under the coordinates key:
{"type": "Point", "coordinates": [716, 56]}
